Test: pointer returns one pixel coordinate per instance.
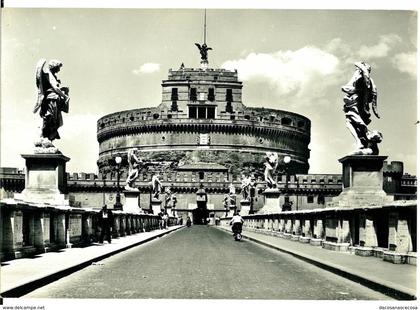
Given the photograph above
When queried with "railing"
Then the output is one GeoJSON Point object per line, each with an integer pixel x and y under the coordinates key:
{"type": "Point", "coordinates": [27, 230]}
{"type": "Point", "coordinates": [387, 231]}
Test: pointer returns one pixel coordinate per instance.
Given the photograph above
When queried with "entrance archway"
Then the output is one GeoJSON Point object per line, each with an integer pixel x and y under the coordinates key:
{"type": "Point", "coordinates": [200, 214]}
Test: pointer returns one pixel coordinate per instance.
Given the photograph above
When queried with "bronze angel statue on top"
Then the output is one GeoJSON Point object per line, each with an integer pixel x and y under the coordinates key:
{"type": "Point", "coordinates": [52, 99]}
{"type": "Point", "coordinates": [203, 51]}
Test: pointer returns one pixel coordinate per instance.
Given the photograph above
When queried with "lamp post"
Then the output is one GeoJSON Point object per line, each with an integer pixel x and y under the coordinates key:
{"type": "Point", "coordinates": [252, 195]}
{"type": "Point", "coordinates": [118, 205]}
{"type": "Point", "coordinates": [287, 206]}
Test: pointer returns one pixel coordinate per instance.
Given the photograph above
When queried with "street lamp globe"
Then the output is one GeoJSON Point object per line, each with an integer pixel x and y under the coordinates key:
{"type": "Point", "coordinates": [118, 160]}
{"type": "Point", "coordinates": [287, 159]}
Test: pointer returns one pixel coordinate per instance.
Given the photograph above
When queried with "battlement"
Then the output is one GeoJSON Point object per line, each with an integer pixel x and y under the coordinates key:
{"type": "Point", "coordinates": [312, 179]}
{"type": "Point", "coordinates": [199, 74]}
{"type": "Point", "coordinates": [248, 116]}
{"type": "Point", "coordinates": [217, 176]}
{"type": "Point", "coordinates": [395, 167]}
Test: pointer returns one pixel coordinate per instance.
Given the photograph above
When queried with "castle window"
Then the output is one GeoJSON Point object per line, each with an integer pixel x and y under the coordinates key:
{"type": "Point", "coordinates": [193, 94]}
{"type": "Point", "coordinates": [155, 116]}
{"type": "Point", "coordinates": [229, 97]}
{"type": "Point", "coordinates": [286, 121]}
{"type": "Point", "coordinates": [201, 112]}
{"type": "Point", "coordinates": [174, 106]}
{"type": "Point", "coordinates": [192, 112]}
{"type": "Point", "coordinates": [321, 200]}
{"type": "Point", "coordinates": [272, 118]}
{"type": "Point", "coordinates": [229, 107]}
{"type": "Point", "coordinates": [210, 96]}
{"type": "Point", "coordinates": [201, 175]}
{"type": "Point", "coordinates": [247, 117]}
{"type": "Point", "coordinates": [174, 95]}
{"type": "Point", "coordinates": [301, 124]}
{"type": "Point", "coordinates": [310, 199]}
{"type": "Point", "coordinates": [211, 112]}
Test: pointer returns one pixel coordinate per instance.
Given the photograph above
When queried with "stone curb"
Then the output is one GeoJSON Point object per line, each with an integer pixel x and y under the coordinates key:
{"type": "Point", "coordinates": [30, 286]}
{"type": "Point", "coordinates": [385, 287]}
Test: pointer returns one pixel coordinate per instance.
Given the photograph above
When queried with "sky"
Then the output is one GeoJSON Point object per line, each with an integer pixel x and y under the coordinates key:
{"type": "Point", "coordinates": [295, 60]}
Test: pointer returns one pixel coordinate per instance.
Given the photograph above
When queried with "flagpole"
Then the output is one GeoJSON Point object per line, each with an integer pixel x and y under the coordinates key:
{"type": "Point", "coordinates": [205, 17]}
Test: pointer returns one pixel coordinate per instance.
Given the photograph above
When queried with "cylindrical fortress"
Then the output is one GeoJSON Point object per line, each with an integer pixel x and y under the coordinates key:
{"type": "Point", "coordinates": [202, 119]}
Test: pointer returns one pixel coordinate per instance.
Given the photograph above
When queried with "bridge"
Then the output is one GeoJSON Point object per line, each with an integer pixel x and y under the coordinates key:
{"type": "Point", "coordinates": [273, 261]}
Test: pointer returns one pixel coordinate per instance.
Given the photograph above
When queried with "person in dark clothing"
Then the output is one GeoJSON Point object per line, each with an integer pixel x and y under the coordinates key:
{"type": "Point", "coordinates": [106, 221]}
{"type": "Point", "coordinates": [161, 219]}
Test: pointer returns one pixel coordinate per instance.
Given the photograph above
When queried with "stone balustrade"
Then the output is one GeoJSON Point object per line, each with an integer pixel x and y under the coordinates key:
{"type": "Point", "coordinates": [387, 232]}
{"type": "Point", "coordinates": [27, 230]}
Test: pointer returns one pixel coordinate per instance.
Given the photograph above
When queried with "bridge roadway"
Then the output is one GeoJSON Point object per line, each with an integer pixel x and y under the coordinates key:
{"type": "Point", "coordinates": [204, 262]}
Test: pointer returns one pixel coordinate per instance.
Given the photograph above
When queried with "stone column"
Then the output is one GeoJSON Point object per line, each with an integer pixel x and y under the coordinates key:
{"type": "Point", "coordinates": [122, 225]}
{"type": "Point", "coordinates": [266, 224]}
{"type": "Point", "coordinates": [12, 233]}
{"type": "Point", "coordinates": [42, 230]}
{"type": "Point", "coordinates": [74, 229]}
{"type": "Point", "coordinates": [344, 234]}
{"type": "Point", "coordinates": [400, 242]}
{"type": "Point", "coordinates": [128, 224]}
{"type": "Point", "coordinates": [297, 227]}
{"type": "Point", "coordinates": [87, 228]}
{"type": "Point", "coordinates": [61, 233]}
{"type": "Point", "coordinates": [307, 228]}
{"type": "Point", "coordinates": [289, 227]}
{"type": "Point", "coordinates": [318, 233]}
{"type": "Point", "coordinates": [282, 225]}
{"type": "Point", "coordinates": [403, 242]}
{"type": "Point", "coordinates": [117, 226]}
{"type": "Point", "coordinates": [367, 232]}
{"type": "Point", "coordinates": [318, 229]}
{"type": "Point", "coordinates": [276, 224]}
{"type": "Point", "coordinates": [297, 230]}
{"type": "Point", "coordinates": [334, 234]}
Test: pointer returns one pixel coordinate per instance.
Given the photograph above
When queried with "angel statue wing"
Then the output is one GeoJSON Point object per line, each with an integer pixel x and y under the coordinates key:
{"type": "Point", "coordinates": [198, 45]}
{"type": "Point", "coordinates": [38, 75]}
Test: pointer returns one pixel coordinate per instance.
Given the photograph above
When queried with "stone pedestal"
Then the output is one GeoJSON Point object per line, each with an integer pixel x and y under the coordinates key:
{"type": "Point", "coordinates": [362, 182]}
{"type": "Point", "coordinates": [45, 179]}
{"type": "Point", "coordinates": [272, 202]}
{"type": "Point", "coordinates": [131, 204]}
{"type": "Point", "coordinates": [245, 207]}
{"type": "Point", "coordinates": [156, 206]}
{"type": "Point", "coordinates": [232, 209]}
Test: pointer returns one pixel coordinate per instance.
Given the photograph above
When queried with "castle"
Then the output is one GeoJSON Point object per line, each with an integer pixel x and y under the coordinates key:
{"type": "Point", "coordinates": [202, 139]}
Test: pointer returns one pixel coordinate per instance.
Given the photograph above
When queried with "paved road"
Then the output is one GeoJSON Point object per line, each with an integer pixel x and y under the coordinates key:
{"type": "Point", "coordinates": [204, 262]}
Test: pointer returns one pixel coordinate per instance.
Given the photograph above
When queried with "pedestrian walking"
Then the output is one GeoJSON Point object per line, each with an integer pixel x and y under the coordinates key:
{"type": "Point", "coordinates": [165, 219]}
{"type": "Point", "coordinates": [161, 220]}
{"type": "Point", "coordinates": [106, 221]}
